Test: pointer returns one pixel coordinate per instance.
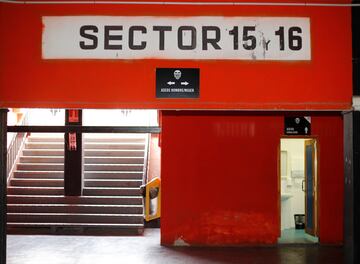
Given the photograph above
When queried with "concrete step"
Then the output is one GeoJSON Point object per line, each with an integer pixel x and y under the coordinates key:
{"type": "Point", "coordinates": [111, 191]}
{"type": "Point", "coordinates": [114, 167]}
{"type": "Point", "coordinates": [90, 229]}
{"type": "Point", "coordinates": [43, 152]}
{"type": "Point", "coordinates": [87, 145]}
{"type": "Point", "coordinates": [124, 139]}
{"type": "Point", "coordinates": [37, 139]}
{"type": "Point", "coordinates": [75, 218]}
{"type": "Point", "coordinates": [88, 167]}
{"type": "Point", "coordinates": [110, 146]}
{"type": "Point", "coordinates": [39, 174]}
{"type": "Point", "coordinates": [19, 190]}
{"type": "Point", "coordinates": [42, 159]}
{"type": "Point", "coordinates": [75, 208]}
{"type": "Point", "coordinates": [44, 145]}
{"type": "Point", "coordinates": [113, 153]}
{"type": "Point", "coordinates": [37, 182]}
{"type": "Point", "coordinates": [40, 166]}
{"type": "Point", "coordinates": [112, 183]}
{"type": "Point", "coordinates": [114, 160]}
{"type": "Point", "coordinates": [135, 175]}
{"type": "Point", "coordinates": [61, 199]}
{"type": "Point", "coordinates": [88, 160]}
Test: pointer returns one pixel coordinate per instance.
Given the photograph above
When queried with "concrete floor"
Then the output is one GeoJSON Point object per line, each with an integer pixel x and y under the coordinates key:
{"type": "Point", "coordinates": [146, 249]}
{"type": "Point", "coordinates": [296, 236]}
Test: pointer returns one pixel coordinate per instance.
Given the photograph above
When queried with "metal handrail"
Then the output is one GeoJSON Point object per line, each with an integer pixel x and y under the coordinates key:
{"type": "Point", "coordinates": [146, 159]}
{"type": "Point", "coordinates": [15, 146]}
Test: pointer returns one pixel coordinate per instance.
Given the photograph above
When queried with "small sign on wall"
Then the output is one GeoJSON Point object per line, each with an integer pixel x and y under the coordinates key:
{"type": "Point", "coordinates": [177, 83]}
{"type": "Point", "coordinates": [299, 125]}
{"type": "Point", "coordinates": [73, 116]}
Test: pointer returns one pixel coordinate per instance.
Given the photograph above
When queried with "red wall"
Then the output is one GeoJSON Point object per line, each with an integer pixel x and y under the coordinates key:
{"type": "Point", "coordinates": [331, 177]}
{"type": "Point", "coordinates": [154, 160]}
{"type": "Point", "coordinates": [26, 80]}
{"type": "Point", "coordinates": [220, 177]}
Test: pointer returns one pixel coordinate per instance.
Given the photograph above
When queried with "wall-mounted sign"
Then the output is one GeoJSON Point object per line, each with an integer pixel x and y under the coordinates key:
{"type": "Point", "coordinates": [177, 83]}
{"type": "Point", "coordinates": [200, 38]}
{"type": "Point", "coordinates": [300, 125]}
{"type": "Point", "coordinates": [73, 116]}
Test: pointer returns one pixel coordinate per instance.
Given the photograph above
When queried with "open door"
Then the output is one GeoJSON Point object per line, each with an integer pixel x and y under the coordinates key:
{"type": "Point", "coordinates": [310, 187]}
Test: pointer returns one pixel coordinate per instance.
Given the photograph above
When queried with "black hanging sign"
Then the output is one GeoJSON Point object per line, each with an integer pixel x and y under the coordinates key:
{"type": "Point", "coordinates": [177, 82]}
{"type": "Point", "coordinates": [298, 125]}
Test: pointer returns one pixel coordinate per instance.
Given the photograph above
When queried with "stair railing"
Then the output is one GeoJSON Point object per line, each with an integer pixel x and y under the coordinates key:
{"type": "Point", "coordinates": [16, 145]}
{"type": "Point", "coordinates": [151, 190]}
{"type": "Point", "coordinates": [146, 159]}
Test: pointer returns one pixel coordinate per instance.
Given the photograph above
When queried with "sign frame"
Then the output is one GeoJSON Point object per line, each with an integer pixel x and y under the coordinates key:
{"type": "Point", "coordinates": [177, 83]}
{"type": "Point", "coordinates": [297, 125]}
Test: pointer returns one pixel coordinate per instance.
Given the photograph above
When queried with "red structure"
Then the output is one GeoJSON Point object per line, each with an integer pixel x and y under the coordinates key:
{"type": "Point", "coordinates": [323, 83]}
{"type": "Point", "coordinates": [220, 177]}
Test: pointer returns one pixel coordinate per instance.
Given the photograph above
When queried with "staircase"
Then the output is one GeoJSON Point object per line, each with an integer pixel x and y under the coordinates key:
{"type": "Point", "coordinates": [111, 203]}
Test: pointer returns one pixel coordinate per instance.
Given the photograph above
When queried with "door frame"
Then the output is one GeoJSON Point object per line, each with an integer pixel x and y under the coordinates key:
{"type": "Point", "coordinates": [314, 157]}
{"type": "Point", "coordinates": [317, 189]}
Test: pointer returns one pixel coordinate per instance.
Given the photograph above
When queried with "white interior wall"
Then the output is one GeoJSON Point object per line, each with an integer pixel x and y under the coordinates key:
{"type": "Point", "coordinates": [11, 121]}
{"type": "Point", "coordinates": [95, 117]}
{"type": "Point", "coordinates": [46, 117]}
{"type": "Point", "coordinates": [293, 198]}
{"type": "Point", "coordinates": [119, 117]}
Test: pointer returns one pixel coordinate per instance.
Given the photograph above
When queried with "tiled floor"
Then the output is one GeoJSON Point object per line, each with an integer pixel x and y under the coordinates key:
{"type": "Point", "coordinates": [296, 236]}
{"type": "Point", "coordinates": [146, 249]}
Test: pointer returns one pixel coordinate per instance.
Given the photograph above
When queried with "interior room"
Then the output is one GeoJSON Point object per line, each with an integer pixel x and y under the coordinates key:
{"type": "Point", "coordinates": [293, 192]}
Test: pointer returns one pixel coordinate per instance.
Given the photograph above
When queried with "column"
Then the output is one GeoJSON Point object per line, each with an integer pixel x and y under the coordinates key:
{"type": "Point", "coordinates": [73, 159]}
{"type": "Point", "coordinates": [3, 183]}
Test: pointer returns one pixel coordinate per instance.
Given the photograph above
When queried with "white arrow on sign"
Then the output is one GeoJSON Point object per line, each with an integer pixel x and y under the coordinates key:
{"type": "Point", "coordinates": [306, 130]}
{"type": "Point", "coordinates": [170, 83]}
{"type": "Point", "coordinates": [184, 83]}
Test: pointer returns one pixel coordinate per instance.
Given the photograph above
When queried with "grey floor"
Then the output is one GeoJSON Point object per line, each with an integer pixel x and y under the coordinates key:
{"type": "Point", "coordinates": [147, 249]}
{"type": "Point", "coordinates": [296, 236]}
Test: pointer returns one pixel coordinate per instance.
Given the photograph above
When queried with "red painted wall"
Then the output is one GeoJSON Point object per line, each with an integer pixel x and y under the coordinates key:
{"type": "Point", "coordinates": [154, 157]}
{"type": "Point", "coordinates": [26, 80]}
{"type": "Point", "coordinates": [199, 1]}
{"type": "Point", "coordinates": [331, 177]}
{"type": "Point", "coordinates": [220, 177]}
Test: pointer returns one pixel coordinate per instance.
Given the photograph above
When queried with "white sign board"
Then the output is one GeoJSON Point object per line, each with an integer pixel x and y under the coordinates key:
{"type": "Point", "coordinates": [194, 38]}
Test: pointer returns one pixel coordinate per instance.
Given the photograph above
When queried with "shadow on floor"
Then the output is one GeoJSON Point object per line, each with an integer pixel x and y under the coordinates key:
{"type": "Point", "coordinates": [299, 254]}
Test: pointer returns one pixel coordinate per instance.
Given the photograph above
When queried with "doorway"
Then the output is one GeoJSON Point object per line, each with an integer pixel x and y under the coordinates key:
{"type": "Point", "coordinates": [298, 189]}
{"type": "Point", "coordinates": [106, 163]}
